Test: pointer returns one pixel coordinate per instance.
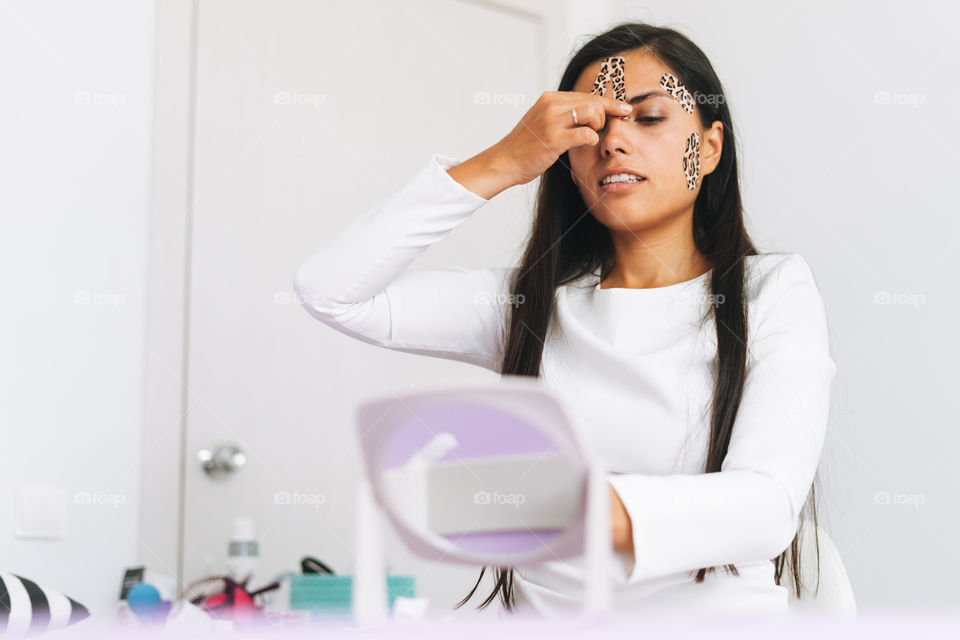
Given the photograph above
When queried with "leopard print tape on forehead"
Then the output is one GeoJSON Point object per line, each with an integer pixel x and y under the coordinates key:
{"type": "Point", "coordinates": [675, 88]}
{"type": "Point", "coordinates": [611, 70]}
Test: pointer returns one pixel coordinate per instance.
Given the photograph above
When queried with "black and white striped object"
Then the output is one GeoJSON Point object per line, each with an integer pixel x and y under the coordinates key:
{"type": "Point", "coordinates": [25, 606]}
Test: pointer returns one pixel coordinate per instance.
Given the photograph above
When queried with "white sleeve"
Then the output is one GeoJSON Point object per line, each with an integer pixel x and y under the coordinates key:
{"type": "Point", "coordinates": [748, 511]}
{"type": "Point", "coordinates": [357, 283]}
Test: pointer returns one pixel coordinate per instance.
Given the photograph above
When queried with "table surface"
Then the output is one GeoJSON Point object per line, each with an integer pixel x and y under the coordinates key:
{"type": "Point", "coordinates": [872, 625]}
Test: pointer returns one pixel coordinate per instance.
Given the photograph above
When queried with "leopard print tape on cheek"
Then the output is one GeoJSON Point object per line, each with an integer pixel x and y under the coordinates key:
{"type": "Point", "coordinates": [691, 161]}
{"type": "Point", "coordinates": [611, 70]}
{"type": "Point", "coordinates": [675, 88]}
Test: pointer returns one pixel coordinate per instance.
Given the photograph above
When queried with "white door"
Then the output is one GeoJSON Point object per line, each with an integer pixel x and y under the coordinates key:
{"type": "Point", "coordinates": [307, 114]}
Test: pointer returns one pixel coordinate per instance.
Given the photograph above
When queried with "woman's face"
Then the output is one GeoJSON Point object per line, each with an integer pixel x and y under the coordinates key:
{"type": "Point", "coordinates": [653, 141]}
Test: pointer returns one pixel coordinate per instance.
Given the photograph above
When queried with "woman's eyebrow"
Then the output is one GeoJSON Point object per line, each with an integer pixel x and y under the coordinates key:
{"type": "Point", "coordinates": [640, 97]}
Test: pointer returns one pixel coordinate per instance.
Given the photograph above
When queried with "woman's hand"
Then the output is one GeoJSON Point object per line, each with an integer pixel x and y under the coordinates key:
{"type": "Point", "coordinates": [547, 130]}
{"type": "Point", "coordinates": [544, 132]}
{"type": "Point", "coordinates": [620, 524]}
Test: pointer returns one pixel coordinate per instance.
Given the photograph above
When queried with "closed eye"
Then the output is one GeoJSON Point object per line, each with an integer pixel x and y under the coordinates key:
{"type": "Point", "coordinates": [650, 119]}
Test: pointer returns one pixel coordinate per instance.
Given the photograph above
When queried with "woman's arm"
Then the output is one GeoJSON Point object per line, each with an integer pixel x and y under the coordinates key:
{"type": "Point", "coordinates": [357, 282]}
{"type": "Point", "coordinates": [485, 174]}
{"type": "Point", "coordinates": [354, 283]}
{"type": "Point", "coordinates": [748, 511]}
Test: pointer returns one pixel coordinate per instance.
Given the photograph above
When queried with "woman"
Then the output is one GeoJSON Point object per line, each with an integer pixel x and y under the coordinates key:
{"type": "Point", "coordinates": [697, 367]}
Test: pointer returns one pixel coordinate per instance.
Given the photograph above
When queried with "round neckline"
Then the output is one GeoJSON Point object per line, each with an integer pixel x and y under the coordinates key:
{"type": "Point", "coordinates": [669, 287]}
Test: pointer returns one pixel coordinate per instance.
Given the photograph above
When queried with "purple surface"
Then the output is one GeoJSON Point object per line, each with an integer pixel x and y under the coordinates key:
{"type": "Point", "coordinates": [480, 431]}
{"type": "Point", "coordinates": [504, 541]}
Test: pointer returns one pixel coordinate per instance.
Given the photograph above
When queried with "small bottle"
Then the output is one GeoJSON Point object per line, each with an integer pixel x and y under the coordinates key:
{"type": "Point", "coordinates": [243, 551]}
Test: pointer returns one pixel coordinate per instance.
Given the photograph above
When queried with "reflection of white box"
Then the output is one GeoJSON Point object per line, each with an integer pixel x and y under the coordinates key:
{"type": "Point", "coordinates": [41, 511]}
{"type": "Point", "coordinates": [477, 495]}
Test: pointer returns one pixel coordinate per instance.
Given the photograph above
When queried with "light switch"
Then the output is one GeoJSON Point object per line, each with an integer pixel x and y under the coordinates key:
{"type": "Point", "coordinates": [41, 511]}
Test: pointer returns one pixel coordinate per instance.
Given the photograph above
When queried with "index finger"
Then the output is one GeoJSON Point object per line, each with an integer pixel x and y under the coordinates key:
{"type": "Point", "coordinates": [612, 105]}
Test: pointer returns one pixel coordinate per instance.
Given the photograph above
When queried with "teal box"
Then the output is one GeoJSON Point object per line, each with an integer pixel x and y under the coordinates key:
{"type": "Point", "coordinates": [324, 593]}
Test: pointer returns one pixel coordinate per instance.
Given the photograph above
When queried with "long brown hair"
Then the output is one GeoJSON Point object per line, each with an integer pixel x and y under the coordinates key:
{"type": "Point", "coordinates": [567, 243]}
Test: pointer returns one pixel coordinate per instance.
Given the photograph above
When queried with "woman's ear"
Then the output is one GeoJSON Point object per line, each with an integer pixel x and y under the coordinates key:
{"type": "Point", "coordinates": [711, 148]}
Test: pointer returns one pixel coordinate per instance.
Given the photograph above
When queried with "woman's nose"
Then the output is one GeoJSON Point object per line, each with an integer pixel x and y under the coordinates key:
{"type": "Point", "coordinates": [613, 136]}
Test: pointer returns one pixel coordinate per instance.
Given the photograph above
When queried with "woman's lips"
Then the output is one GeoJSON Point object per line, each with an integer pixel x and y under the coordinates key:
{"type": "Point", "coordinates": [621, 187]}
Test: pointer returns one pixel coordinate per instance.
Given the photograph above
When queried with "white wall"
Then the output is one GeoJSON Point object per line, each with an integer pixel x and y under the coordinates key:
{"type": "Point", "coordinates": [860, 187]}
{"type": "Point", "coordinates": [74, 189]}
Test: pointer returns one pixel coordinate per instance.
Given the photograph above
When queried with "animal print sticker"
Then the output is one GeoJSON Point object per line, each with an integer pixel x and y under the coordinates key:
{"type": "Point", "coordinates": [675, 88]}
{"type": "Point", "coordinates": [691, 161]}
{"type": "Point", "coordinates": [611, 70]}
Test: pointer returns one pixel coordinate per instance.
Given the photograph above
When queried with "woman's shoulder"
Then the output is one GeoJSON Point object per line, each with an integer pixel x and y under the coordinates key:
{"type": "Point", "coordinates": [765, 274]}
{"type": "Point", "coordinates": [785, 298]}
{"type": "Point", "coordinates": [769, 274]}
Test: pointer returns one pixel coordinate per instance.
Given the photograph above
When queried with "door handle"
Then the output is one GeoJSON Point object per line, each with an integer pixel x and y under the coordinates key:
{"type": "Point", "coordinates": [226, 459]}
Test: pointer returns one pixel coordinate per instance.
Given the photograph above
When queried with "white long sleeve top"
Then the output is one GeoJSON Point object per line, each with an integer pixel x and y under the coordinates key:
{"type": "Point", "coordinates": [633, 369]}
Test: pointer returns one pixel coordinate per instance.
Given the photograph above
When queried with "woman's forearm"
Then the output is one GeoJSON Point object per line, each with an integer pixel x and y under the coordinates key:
{"type": "Point", "coordinates": [485, 174]}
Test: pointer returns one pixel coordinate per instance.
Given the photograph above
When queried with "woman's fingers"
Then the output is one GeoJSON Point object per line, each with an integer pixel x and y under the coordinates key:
{"type": "Point", "coordinates": [579, 136]}
{"type": "Point", "coordinates": [593, 111]}
{"type": "Point", "coordinates": [548, 129]}
{"type": "Point", "coordinates": [592, 114]}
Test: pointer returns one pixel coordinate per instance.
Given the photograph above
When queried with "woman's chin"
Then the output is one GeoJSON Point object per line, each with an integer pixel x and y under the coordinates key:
{"type": "Point", "coordinates": [622, 218]}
